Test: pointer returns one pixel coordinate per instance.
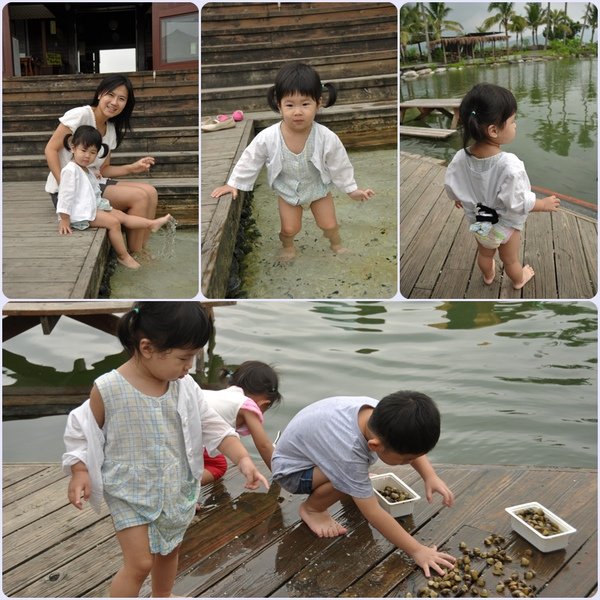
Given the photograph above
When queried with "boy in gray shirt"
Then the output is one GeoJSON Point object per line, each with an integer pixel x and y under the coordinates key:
{"type": "Point", "coordinates": [326, 451]}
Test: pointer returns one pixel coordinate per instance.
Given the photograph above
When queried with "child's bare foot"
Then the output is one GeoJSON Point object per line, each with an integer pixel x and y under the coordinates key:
{"type": "Point", "coordinates": [128, 261]}
{"type": "Point", "coordinates": [287, 254]}
{"type": "Point", "coordinates": [321, 523]}
{"type": "Point", "coordinates": [489, 280]}
{"type": "Point", "coordinates": [528, 273]}
{"type": "Point", "coordinates": [339, 249]}
{"type": "Point", "coordinates": [158, 223]}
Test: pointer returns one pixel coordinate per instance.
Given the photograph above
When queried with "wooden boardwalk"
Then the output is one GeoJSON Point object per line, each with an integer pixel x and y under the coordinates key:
{"type": "Point", "coordinates": [219, 217]}
{"type": "Point", "coordinates": [438, 256]}
{"type": "Point", "coordinates": [249, 544]}
{"type": "Point", "coordinates": [38, 263]}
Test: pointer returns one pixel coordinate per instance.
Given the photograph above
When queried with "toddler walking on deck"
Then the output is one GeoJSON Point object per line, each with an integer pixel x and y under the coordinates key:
{"type": "Point", "coordinates": [138, 442]}
{"type": "Point", "coordinates": [302, 158]}
{"type": "Point", "coordinates": [80, 204]}
{"type": "Point", "coordinates": [490, 185]}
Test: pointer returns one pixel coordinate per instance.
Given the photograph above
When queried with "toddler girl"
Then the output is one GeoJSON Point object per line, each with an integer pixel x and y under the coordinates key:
{"type": "Point", "coordinates": [138, 440]}
{"type": "Point", "coordinates": [252, 390]}
{"type": "Point", "coordinates": [80, 204]}
{"type": "Point", "coordinates": [492, 186]}
{"type": "Point", "coordinates": [302, 158]}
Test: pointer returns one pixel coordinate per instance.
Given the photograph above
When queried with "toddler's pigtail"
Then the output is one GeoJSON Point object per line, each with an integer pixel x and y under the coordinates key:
{"type": "Point", "coordinates": [331, 94]}
{"type": "Point", "coordinates": [272, 99]}
{"type": "Point", "coordinates": [104, 151]}
{"type": "Point", "coordinates": [66, 141]}
{"type": "Point", "coordinates": [127, 327]}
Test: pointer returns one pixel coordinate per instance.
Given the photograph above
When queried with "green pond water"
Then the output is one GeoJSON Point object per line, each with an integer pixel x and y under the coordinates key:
{"type": "Point", "coordinates": [557, 119]}
{"type": "Point", "coordinates": [172, 273]}
{"type": "Point", "coordinates": [516, 382]}
{"type": "Point", "coordinates": [369, 230]}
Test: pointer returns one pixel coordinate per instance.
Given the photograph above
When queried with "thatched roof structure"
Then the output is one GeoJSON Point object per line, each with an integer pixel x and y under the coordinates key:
{"type": "Point", "coordinates": [469, 39]}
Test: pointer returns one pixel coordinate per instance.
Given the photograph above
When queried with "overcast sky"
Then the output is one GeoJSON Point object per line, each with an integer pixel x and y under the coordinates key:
{"type": "Point", "coordinates": [472, 14]}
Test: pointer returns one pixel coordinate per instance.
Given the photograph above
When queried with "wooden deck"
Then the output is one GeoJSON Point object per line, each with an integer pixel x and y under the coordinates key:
{"type": "Point", "coordinates": [220, 217]}
{"type": "Point", "coordinates": [438, 133]}
{"type": "Point", "coordinates": [251, 544]}
{"type": "Point", "coordinates": [425, 106]}
{"type": "Point", "coordinates": [438, 256]}
{"type": "Point", "coordinates": [38, 263]}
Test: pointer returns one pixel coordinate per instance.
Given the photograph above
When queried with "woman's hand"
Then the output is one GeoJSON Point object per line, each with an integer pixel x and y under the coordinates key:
{"type": "Point", "coordinates": [143, 165]}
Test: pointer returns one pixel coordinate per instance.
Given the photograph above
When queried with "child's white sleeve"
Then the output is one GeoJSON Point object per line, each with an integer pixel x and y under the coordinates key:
{"type": "Point", "coordinates": [248, 166]}
{"type": "Point", "coordinates": [339, 166]}
{"type": "Point", "coordinates": [515, 192]}
{"type": "Point", "coordinates": [214, 428]}
{"type": "Point", "coordinates": [67, 192]}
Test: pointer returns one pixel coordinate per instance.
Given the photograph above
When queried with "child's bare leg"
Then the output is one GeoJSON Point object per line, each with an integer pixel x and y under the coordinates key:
{"type": "Point", "coordinates": [314, 511]}
{"type": "Point", "coordinates": [137, 562]}
{"type": "Point", "coordinates": [509, 254]}
{"type": "Point", "coordinates": [163, 573]}
{"type": "Point", "coordinates": [323, 211]}
{"type": "Point", "coordinates": [291, 223]}
{"type": "Point", "coordinates": [108, 221]}
{"type": "Point", "coordinates": [135, 222]}
{"type": "Point", "coordinates": [486, 264]}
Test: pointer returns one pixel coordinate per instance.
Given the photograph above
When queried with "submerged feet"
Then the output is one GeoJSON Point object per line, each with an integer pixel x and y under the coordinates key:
{"type": "Point", "coordinates": [321, 523]}
{"type": "Point", "coordinates": [528, 273]}
{"type": "Point", "coordinates": [128, 261]}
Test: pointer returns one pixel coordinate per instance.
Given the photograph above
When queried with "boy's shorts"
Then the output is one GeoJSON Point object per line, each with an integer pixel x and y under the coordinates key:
{"type": "Point", "coordinates": [492, 239]}
{"type": "Point", "coordinates": [297, 483]}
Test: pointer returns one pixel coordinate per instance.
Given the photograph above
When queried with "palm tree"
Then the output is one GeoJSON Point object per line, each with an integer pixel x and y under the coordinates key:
{"type": "Point", "coordinates": [547, 26]}
{"type": "Point", "coordinates": [410, 26]}
{"type": "Point", "coordinates": [437, 13]}
{"type": "Point", "coordinates": [558, 24]}
{"type": "Point", "coordinates": [518, 25]}
{"type": "Point", "coordinates": [425, 22]}
{"type": "Point", "coordinates": [503, 15]}
{"type": "Point", "coordinates": [535, 15]}
{"type": "Point", "coordinates": [590, 18]}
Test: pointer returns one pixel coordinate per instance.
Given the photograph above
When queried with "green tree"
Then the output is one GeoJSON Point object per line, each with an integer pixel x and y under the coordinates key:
{"type": "Point", "coordinates": [504, 14]}
{"type": "Point", "coordinates": [518, 25]}
{"type": "Point", "coordinates": [535, 15]}
{"type": "Point", "coordinates": [590, 19]}
{"type": "Point", "coordinates": [436, 16]}
{"type": "Point", "coordinates": [411, 27]}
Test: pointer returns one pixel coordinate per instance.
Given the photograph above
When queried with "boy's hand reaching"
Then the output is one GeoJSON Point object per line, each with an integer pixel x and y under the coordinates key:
{"type": "Point", "coordinates": [361, 194]}
{"type": "Point", "coordinates": [253, 477]}
{"type": "Point", "coordinates": [435, 484]}
{"type": "Point", "coordinates": [427, 557]}
{"type": "Point", "coordinates": [224, 189]}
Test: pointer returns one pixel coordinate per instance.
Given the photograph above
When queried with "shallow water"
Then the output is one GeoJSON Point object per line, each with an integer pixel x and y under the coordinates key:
{"type": "Point", "coordinates": [557, 119]}
{"type": "Point", "coordinates": [516, 383]}
{"type": "Point", "coordinates": [368, 230]}
{"type": "Point", "coordinates": [171, 273]}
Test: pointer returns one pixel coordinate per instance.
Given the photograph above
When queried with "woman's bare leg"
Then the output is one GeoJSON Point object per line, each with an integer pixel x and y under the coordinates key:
{"type": "Point", "coordinates": [138, 199]}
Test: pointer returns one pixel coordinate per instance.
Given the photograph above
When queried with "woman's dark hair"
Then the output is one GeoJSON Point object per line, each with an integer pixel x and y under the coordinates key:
{"type": "Point", "coordinates": [86, 136]}
{"type": "Point", "coordinates": [484, 105]}
{"type": "Point", "coordinates": [406, 422]}
{"type": "Point", "coordinates": [166, 324]}
{"type": "Point", "coordinates": [121, 121]}
{"type": "Point", "coordinates": [299, 78]}
{"type": "Point", "coordinates": [256, 377]}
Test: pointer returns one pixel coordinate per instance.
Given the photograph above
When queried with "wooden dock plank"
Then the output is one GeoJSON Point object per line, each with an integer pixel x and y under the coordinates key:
{"type": "Point", "coordinates": [247, 544]}
{"type": "Point", "coordinates": [438, 133]}
{"type": "Point", "coordinates": [438, 258]}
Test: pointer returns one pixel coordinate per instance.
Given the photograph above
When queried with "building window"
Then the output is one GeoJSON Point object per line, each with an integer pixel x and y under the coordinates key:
{"type": "Point", "coordinates": [179, 38]}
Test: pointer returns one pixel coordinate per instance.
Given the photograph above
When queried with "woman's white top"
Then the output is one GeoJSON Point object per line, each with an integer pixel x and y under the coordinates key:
{"type": "Point", "coordinates": [202, 426]}
{"type": "Point", "coordinates": [329, 157]}
{"type": "Point", "coordinates": [82, 115]}
{"type": "Point", "coordinates": [78, 193]}
{"type": "Point", "coordinates": [499, 182]}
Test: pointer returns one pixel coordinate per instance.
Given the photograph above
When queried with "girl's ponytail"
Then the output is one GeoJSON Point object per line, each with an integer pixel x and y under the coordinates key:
{"type": "Point", "coordinates": [331, 94]}
{"type": "Point", "coordinates": [272, 99]}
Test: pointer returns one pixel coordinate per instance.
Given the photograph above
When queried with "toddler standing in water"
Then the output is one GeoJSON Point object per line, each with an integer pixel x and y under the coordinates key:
{"type": "Point", "coordinates": [138, 442]}
{"type": "Point", "coordinates": [80, 204]}
{"type": "Point", "coordinates": [302, 158]}
{"type": "Point", "coordinates": [253, 389]}
{"type": "Point", "coordinates": [490, 185]}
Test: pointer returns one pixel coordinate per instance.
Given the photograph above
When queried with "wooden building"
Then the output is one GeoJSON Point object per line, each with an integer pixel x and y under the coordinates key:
{"type": "Point", "coordinates": [68, 38]}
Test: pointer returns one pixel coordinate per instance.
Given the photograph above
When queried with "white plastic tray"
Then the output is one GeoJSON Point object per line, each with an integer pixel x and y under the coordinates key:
{"type": "Point", "coordinates": [396, 509]}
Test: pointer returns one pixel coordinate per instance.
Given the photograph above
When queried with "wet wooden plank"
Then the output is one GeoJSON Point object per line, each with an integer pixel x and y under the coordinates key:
{"type": "Point", "coordinates": [561, 246]}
